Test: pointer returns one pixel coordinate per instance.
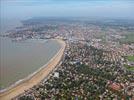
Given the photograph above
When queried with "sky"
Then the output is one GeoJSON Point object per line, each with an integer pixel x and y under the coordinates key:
{"type": "Point", "coordinates": [22, 9]}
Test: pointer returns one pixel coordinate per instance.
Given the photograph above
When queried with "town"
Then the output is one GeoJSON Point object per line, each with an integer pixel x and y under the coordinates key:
{"type": "Point", "coordinates": [98, 63]}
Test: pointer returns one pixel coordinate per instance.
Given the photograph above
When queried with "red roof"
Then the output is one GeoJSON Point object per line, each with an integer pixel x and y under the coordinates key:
{"type": "Point", "coordinates": [115, 86]}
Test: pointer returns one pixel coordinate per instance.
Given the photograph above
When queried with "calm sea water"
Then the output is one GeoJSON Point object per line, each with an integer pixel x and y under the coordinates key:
{"type": "Point", "coordinates": [20, 59]}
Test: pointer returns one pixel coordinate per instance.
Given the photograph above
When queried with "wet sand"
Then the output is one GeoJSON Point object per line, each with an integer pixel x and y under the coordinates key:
{"type": "Point", "coordinates": [35, 78]}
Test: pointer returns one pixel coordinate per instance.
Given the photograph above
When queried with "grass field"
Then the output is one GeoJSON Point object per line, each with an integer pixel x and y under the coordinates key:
{"type": "Point", "coordinates": [130, 68]}
{"type": "Point", "coordinates": [129, 38]}
{"type": "Point", "coordinates": [130, 58]}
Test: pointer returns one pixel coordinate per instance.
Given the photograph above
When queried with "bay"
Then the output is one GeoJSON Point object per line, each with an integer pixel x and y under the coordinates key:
{"type": "Point", "coordinates": [20, 59]}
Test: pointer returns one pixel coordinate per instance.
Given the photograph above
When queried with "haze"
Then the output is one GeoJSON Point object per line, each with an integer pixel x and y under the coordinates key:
{"type": "Point", "coordinates": [20, 9]}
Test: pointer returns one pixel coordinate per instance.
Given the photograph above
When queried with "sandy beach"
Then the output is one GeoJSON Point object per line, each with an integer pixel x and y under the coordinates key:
{"type": "Point", "coordinates": [35, 78]}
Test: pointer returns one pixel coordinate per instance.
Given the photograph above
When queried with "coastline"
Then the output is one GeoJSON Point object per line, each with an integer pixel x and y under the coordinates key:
{"type": "Point", "coordinates": [35, 78]}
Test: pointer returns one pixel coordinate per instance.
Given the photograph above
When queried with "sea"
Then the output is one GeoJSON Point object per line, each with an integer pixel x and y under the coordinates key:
{"type": "Point", "coordinates": [20, 59]}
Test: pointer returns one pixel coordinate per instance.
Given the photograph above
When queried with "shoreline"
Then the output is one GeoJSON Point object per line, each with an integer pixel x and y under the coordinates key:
{"type": "Point", "coordinates": [34, 78]}
{"type": "Point", "coordinates": [25, 78]}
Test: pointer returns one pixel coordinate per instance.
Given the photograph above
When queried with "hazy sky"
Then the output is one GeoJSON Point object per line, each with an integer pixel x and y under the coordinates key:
{"type": "Point", "coordinates": [79, 8]}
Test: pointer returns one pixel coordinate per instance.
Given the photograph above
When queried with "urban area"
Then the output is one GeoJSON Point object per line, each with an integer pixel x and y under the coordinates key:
{"type": "Point", "coordinates": [98, 62]}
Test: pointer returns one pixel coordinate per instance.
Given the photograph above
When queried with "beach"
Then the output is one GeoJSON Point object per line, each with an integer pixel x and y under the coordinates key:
{"type": "Point", "coordinates": [34, 78]}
